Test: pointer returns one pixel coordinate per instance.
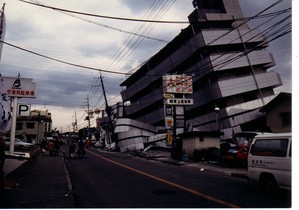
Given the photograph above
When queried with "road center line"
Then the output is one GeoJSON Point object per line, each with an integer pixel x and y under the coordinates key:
{"type": "Point", "coordinates": [170, 183]}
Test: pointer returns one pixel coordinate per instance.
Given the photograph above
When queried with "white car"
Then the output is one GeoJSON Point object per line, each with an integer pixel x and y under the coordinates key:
{"type": "Point", "coordinates": [19, 144]}
{"type": "Point", "coordinates": [270, 161]}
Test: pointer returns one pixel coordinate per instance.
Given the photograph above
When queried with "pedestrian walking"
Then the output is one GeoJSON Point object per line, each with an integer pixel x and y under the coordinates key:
{"type": "Point", "coordinates": [57, 146]}
{"type": "Point", "coordinates": [2, 161]}
{"type": "Point", "coordinates": [44, 146]}
{"type": "Point", "coordinates": [72, 149]}
{"type": "Point", "coordinates": [81, 150]}
{"type": "Point", "coordinates": [87, 143]}
{"type": "Point", "coordinates": [51, 147]}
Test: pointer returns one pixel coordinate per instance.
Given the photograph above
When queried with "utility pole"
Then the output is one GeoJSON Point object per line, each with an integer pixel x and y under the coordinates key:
{"type": "Point", "coordinates": [108, 109]}
{"type": "Point", "coordinates": [88, 112]}
{"type": "Point", "coordinates": [75, 124]}
{"type": "Point", "coordinates": [174, 138]}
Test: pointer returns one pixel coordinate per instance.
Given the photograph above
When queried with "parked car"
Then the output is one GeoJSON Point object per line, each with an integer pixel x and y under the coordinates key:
{"type": "Point", "coordinates": [237, 155]}
{"type": "Point", "coordinates": [270, 161]}
{"type": "Point", "coordinates": [19, 144]}
{"type": "Point", "coordinates": [207, 154]}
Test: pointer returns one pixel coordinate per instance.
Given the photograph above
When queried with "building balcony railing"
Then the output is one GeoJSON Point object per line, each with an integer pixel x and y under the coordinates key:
{"type": "Point", "coordinates": [215, 37]}
{"type": "Point", "coordinates": [238, 60]}
{"type": "Point", "coordinates": [147, 117]}
{"type": "Point", "coordinates": [240, 85]}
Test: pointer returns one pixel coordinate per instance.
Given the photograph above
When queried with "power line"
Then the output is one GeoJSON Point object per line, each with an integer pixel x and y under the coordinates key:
{"type": "Point", "coordinates": [61, 61]}
{"type": "Point", "coordinates": [78, 65]}
{"type": "Point", "coordinates": [104, 16]}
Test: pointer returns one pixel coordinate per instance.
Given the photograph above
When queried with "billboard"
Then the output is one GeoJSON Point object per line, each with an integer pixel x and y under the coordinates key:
{"type": "Point", "coordinates": [178, 84]}
{"type": "Point", "coordinates": [19, 87]}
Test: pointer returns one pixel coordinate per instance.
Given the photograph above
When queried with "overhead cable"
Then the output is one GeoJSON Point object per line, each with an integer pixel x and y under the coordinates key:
{"type": "Point", "coordinates": [61, 61]}
{"type": "Point", "coordinates": [104, 16]}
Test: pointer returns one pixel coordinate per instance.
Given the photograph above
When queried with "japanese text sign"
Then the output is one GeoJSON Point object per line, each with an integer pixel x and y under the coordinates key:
{"type": "Point", "coordinates": [178, 84]}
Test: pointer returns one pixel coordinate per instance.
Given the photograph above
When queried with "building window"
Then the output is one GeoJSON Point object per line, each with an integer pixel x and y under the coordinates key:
{"type": "Point", "coordinates": [201, 138]}
{"type": "Point", "coordinates": [47, 127]}
{"type": "Point", "coordinates": [19, 126]}
{"type": "Point", "coordinates": [30, 125]}
{"type": "Point", "coordinates": [286, 119]}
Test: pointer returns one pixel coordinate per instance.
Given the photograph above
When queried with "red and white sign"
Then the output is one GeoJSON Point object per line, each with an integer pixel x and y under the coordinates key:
{"type": "Point", "coordinates": [168, 122]}
{"type": "Point", "coordinates": [19, 87]}
{"type": "Point", "coordinates": [178, 84]}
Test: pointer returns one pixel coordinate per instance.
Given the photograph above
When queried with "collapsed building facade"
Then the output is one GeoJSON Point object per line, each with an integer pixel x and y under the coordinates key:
{"type": "Point", "coordinates": [231, 80]}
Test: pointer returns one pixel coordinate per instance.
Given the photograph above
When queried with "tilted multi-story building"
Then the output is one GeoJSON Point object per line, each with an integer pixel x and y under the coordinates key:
{"type": "Point", "coordinates": [229, 65]}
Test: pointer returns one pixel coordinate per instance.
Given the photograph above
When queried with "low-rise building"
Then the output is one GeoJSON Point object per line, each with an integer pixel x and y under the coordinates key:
{"type": "Point", "coordinates": [35, 127]}
{"type": "Point", "coordinates": [278, 113]}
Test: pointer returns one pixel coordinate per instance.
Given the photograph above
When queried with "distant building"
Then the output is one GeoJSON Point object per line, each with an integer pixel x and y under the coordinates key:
{"type": "Point", "coordinates": [35, 127]}
{"type": "Point", "coordinates": [278, 113]}
{"type": "Point", "coordinates": [230, 69]}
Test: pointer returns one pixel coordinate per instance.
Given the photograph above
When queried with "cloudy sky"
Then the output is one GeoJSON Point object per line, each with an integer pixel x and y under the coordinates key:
{"type": "Point", "coordinates": [115, 46]}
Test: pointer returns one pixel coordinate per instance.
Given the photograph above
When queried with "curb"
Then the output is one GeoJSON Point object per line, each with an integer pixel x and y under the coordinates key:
{"type": "Point", "coordinates": [202, 168]}
{"type": "Point", "coordinates": [239, 175]}
{"type": "Point", "coordinates": [172, 162]}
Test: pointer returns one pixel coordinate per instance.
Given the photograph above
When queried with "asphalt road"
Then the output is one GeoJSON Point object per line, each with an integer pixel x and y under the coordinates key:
{"type": "Point", "coordinates": [116, 180]}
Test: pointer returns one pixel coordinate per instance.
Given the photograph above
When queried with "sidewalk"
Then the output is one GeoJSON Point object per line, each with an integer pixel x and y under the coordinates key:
{"type": "Point", "coordinates": [37, 183]}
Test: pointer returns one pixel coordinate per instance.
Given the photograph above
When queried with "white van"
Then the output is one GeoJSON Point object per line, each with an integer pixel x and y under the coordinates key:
{"type": "Point", "coordinates": [270, 161]}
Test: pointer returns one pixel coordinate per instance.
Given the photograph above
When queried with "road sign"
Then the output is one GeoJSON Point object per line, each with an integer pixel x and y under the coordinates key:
{"type": "Point", "coordinates": [23, 109]}
{"type": "Point", "coordinates": [179, 101]}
